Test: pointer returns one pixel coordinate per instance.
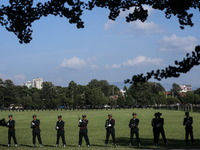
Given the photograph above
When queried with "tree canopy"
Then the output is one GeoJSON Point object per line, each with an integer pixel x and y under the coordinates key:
{"type": "Point", "coordinates": [18, 16]}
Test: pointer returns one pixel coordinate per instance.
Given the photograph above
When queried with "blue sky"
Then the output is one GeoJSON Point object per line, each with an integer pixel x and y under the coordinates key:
{"type": "Point", "coordinates": [103, 50]}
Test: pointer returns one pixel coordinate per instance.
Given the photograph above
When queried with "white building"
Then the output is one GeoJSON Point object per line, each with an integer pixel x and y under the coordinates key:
{"type": "Point", "coordinates": [29, 84]}
{"type": "Point", "coordinates": [185, 88]}
{"type": "Point", "coordinates": [37, 83]}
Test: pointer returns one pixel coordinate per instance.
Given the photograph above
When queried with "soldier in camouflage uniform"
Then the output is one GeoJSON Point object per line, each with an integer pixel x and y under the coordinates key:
{"type": "Point", "coordinates": [110, 123]}
{"type": "Point", "coordinates": [35, 125]}
{"type": "Point", "coordinates": [11, 130]}
{"type": "Point", "coordinates": [60, 130]}
{"type": "Point", "coordinates": [83, 130]}
{"type": "Point", "coordinates": [133, 124]}
{"type": "Point", "coordinates": [188, 121]}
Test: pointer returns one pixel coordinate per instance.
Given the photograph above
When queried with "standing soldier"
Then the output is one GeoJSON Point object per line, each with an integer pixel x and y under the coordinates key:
{"type": "Point", "coordinates": [60, 130]}
{"type": "Point", "coordinates": [35, 125]}
{"type": "Point", "coordinates": [110, 123]}
{"type": "Point", "coordinates": [133, 124]}
{"type": "Point", "coordinates": [188, 128]}
{"type": "Point", "coordinates": [153, 121]}
{"type": "Point", "coordinates": [159, 122]}
{"type": "Point", "coordinates": [11, 130]}
{"type": "Point", "coordinates": [83, 130]}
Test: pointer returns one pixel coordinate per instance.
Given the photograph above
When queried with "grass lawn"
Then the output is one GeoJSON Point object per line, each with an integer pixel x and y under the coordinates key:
{"type": "Point", "coordinates": [174, 129]}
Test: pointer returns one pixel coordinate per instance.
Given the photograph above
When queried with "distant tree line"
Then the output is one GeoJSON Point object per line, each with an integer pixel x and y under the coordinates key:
{"type": "Point", "coordinates": [95, 93]}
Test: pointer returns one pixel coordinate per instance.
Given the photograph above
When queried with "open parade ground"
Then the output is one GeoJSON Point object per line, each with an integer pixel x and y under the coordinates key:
{"type": "Point", "coordinates": [173, 126]}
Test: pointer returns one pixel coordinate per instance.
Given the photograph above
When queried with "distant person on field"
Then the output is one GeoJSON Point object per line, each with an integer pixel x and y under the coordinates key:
{"type": "Point", "coordinates": [83, 130]}
{"type": "Point", "coordinates": [133, 124]}
{"type": "Point", "coordinates": [11, 130]}
{"type": "Point", "coordinates": [188, 128]}
{"type": "Point", "coordinates": [110, 123]}
{"type": "Point", "coordinates": [60, 131]}
{"type": "Point", "coordinates": [35, 125]}
{"type": "Point", "coordinates": [159, 122]}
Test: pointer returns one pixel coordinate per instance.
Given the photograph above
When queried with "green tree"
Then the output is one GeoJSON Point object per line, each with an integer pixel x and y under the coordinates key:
{"type": "Point", "coordinates": [48, 94]}
{"type": "Point", "coordinates": [130, 101]}
{"type": "Point", "coordinates": [94, 97]}
{"type": "Point", "coordinates": [191, 98]}
{"type": "Point", "coordinates": [112, 101]}
{"type": "Point", "coordinates": [175, 90]}
{"type": "Point", "coordinates": [121, 99]}
{"type": "Point", "coordinates": [172, 100]}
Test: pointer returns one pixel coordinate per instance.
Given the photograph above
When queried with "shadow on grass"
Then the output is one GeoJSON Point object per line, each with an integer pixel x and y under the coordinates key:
{"type": "Point", "coordinates": [3, 145]}
{"type": "Point", "coordinates": [149, 144]}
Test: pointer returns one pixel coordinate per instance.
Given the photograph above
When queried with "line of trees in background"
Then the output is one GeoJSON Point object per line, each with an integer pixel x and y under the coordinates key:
{"type": "Point", "coordinates": [95, 93]}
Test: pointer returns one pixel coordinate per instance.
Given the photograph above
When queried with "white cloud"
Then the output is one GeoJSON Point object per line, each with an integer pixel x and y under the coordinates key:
{"type": "Point", "coordinates": [20, 77]}
{"type": "Point", "coordinates": [4, 77]}
{"type": "Point", "coordinates": [178, 44]}
{"type": "Point", "coordinates": [146, 27]}
{"type": "Point", "coordinates": [76, 63]}
{"type": "Point", "coordinates": [125, 13]}
{"type": "Point", "coordinates": [138, 61]}
{"type": "Point", "coordinates": [115, 66]}
{"type": "Point", "coordinates": [142, 60]}
{"type": "Point", "coordinates": [109, 24]}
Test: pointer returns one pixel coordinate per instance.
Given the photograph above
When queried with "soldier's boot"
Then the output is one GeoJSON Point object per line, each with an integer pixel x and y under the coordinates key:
{"type": "Point", "coordinates": [130, 145]}
{"type": "Point", "coordinates": [88, 146]}
{"type": "Point", "coordinates": [139, 144]}
{"type": "Point", "coordinates": [64, 145]}
{"type": "Point", "coordinates": [115, 145]}
{"type": "Point", "coordinates": [79, 146]}
{"type": "Point", "coordinates": [193, 144]}
{"type": "Point", "coordinates": [33, 145]}
{"type": "Point", "coordinates": [8, 145]}
{"type": "Point", "coordinates": [105, 145]}
{"type": "Point", "coordinates": [56, 145]}
{"type": "Point", "coordinates": [166, 144]}
{"type": "Point", "coordinates": [16, 145]}
{"type": "Point", "coordinates": [40, 145]}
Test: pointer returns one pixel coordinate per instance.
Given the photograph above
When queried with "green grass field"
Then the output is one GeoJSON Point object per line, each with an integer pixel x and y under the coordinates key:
{"type": "Point", "coordinates": [174, 129]}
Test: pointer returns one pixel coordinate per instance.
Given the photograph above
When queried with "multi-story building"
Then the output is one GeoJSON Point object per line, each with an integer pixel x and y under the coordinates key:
{"type": "Point", "coordinates": [29, 84]}
{"type": "Point", "coordinates": [185, 88]}
{"type": "Point", "coordinates": [37, 83]}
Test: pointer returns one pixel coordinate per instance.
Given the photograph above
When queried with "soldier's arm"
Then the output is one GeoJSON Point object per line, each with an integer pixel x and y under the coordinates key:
{"type": "Point", "coordinates": [113, 123]}
{"type": "Point", "coordinates": [191, 120]}
{"type": "Point", "coordinates": [84, 123]}
{"type": "Point", "coordinates": [130, 124]}
{"type": "Point", "coordinates": [106, 124]}
{"type": "Point", "coordinates": [184, 121]}
{"type": "Point", "coordinates": [137, 122]}
{"type": "Point", "coordinates": [62, 125]}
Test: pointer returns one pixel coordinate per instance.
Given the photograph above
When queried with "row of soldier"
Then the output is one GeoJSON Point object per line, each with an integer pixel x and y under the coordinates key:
{"type": "Point", "coordinates": [157, 124]}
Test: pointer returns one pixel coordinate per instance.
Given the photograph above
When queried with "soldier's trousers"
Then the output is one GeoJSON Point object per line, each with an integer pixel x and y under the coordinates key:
{"type": "Point", "coordinates": [154, 135]}
{"type": "Point", "coordinates": [112, 132]}
{"type": "Point", "coordinates": [157, 132]}
{"type": "Point", "coordinates": [136, 134]}
{"type": "Point", "coordinates": [11, 134]}
{"type": "Point", "coordinates": [187, 132]}
{"type": "Point", "coordinates": [81, 135]}
{"type": "Point", "coordinates": [62, 135]}
{"type": "Point", "coordinates": [36, 133]}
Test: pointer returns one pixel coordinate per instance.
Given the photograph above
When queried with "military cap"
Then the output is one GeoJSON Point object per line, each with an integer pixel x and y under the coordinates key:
{"type": "Point", "coordinates": [134, 114]}
{"type": "Point", "coordinates": [59, 116]}
{"type": "Point", "coordinates": [155, 114]}
{"type": "Point", "coordinates": [186, 113]}
{"type": "Point", "coordinates": [109, 115]}
{"type": "Point", "coordinates": [83, 115]}
{"type": "Point", "coordinates": [10, 116]}
{"type": "Point", "coordinates": [159, 114]}
{"type": "Point", "coordinates": [34, 116]}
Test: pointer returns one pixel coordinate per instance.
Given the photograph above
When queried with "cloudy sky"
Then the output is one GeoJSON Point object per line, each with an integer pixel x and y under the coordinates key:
{"type": "Point", "coordinates": [103, 50]}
